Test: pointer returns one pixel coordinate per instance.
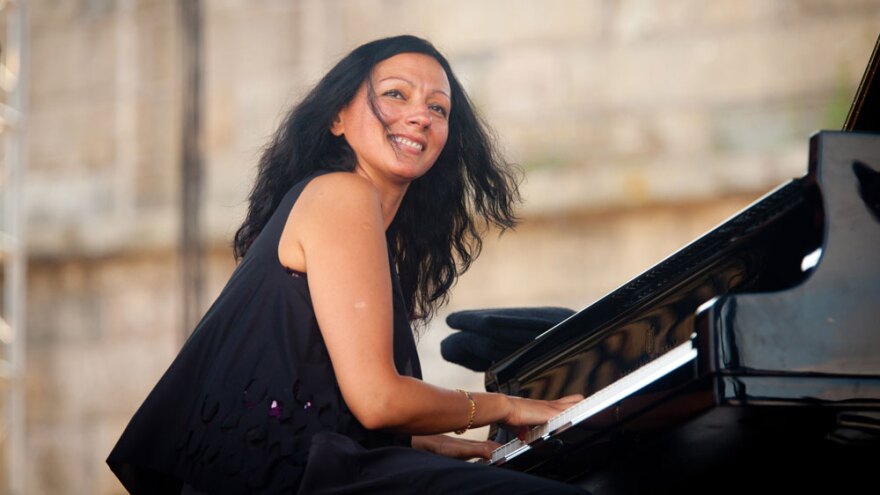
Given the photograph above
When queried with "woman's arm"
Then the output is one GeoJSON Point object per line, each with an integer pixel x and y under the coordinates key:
{"type": "Point", "coordinates": [337, 232]}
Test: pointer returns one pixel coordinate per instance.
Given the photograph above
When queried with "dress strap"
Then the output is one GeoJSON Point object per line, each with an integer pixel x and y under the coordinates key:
{"type": "Point", "coordinates": [270, 236]}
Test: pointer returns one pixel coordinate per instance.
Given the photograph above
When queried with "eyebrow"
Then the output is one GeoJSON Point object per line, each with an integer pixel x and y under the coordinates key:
{"type": "Point", "coordinates": [411, 84]}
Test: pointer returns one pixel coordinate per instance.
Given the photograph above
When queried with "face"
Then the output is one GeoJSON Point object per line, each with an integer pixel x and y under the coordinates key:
{"type": "Point", "coordinates": [412, 95]}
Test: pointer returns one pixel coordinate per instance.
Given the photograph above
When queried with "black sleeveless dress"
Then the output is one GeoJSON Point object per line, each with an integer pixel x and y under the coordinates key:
{"type": "Point", "coordinates": [251, 403]}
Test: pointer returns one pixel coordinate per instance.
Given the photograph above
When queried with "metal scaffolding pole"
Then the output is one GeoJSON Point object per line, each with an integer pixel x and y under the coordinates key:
{"type": "Point", "coordinates": [191, 248]}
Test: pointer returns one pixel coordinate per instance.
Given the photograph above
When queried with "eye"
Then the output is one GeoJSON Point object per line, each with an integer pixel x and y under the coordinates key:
{"type": "Point", "coordinates": [438, 109]}
{"type": "Point", "coordinates": [393, 93]}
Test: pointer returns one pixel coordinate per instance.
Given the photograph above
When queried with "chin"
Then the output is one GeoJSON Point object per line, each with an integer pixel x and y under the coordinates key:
{"type": "Point", "coordinates": [409, 174]}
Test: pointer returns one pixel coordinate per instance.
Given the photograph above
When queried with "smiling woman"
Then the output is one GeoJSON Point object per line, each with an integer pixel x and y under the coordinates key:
{"type": "Point", "coordinates": [303, 376]}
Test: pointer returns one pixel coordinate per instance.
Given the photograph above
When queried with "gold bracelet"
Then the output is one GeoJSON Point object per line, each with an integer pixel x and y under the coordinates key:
{"type": "Point", "coordinates": [472, 414]}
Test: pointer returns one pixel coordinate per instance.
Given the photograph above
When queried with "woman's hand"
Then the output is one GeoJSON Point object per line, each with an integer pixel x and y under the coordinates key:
{"type": "Point", "coordinates": [457, 448]}
{"type": "Point", "coordinates": [528, 412]}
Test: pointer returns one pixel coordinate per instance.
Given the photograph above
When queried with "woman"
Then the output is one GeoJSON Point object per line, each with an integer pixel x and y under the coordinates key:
{"type": "Point", "coordinates": [303, 374]}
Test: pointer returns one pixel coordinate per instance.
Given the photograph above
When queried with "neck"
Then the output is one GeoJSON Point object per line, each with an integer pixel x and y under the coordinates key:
{"type": "Point", "coordinates": [390, 194]}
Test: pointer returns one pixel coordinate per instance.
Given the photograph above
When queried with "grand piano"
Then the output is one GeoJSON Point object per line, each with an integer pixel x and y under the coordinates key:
{"type": "Point", "coordinates": [747, 361]}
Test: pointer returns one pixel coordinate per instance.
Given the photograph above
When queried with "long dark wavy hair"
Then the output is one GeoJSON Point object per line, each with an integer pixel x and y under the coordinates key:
{"type": "Point", "coordinates": [437, 231]}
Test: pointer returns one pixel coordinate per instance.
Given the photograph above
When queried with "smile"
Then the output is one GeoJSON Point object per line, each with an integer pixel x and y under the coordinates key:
{"type": "Point", "coordinates": [407, 142]}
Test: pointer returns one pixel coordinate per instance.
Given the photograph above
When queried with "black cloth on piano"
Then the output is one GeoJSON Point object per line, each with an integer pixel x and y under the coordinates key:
{"type": "Point", "coordinates": [488, 335]}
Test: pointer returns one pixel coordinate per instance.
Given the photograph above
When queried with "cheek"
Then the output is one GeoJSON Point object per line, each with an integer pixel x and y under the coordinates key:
{"type": "Point", "coordinates": [369, 132]}
{"type": "Point", "coordinates": [387, 110]}
{"type": "Point", "coordinates": [442, 135]}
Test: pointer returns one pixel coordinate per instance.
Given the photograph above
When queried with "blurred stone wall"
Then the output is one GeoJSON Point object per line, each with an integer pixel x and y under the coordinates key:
{"type": "Point", "coordinates": [640, 124]}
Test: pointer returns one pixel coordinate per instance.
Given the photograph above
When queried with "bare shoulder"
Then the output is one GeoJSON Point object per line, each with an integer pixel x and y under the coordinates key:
{"type": "Point", "coordinates": [334, 200]}
{"type": "Point", "coordinates": [344, 189]}
{"type": "Point", "coordinates": [339, 207]}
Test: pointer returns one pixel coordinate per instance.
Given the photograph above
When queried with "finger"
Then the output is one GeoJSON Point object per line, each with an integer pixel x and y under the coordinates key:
{"type": "Point", "coordinates": [463, 448]}
{"type": "Point", "coordinates": [572, 398]}
{"type": "Point", "coordinates": [478, 449]}
{"type": "Point", "coordinates": [490, 447]}
{"type": "Point", "coordinates": [486, 444]}
{"type": "Point", "coordinates": [485, 451]}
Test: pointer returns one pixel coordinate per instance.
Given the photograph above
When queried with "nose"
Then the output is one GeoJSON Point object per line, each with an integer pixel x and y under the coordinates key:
{"type": "Point", "coordinates": [421, 117]}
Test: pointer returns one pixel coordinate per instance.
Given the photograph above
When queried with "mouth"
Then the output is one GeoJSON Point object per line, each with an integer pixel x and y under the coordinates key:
{"type": "Point", "coordinates": [407, 143]}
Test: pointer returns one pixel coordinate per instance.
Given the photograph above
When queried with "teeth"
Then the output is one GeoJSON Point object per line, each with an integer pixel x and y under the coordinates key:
{"type": "Point", "coordinates": [407, 142]}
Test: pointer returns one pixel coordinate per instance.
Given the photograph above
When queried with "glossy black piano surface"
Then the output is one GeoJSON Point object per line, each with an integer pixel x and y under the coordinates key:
{"type": "Point", "coordinates": [783, 305]}
{"type": "Point", "coordinates": [783, 302]}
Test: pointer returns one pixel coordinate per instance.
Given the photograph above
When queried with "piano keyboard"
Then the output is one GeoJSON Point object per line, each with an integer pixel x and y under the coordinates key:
{"type": "Point", "coordinates": [597, 402]}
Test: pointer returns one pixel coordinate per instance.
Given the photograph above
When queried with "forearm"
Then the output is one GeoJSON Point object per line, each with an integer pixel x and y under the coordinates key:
{"type": "Point", "coordinates": [412, 406]}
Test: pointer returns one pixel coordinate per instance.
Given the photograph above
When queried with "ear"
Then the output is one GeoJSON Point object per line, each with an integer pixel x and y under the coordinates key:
{"type": "Point", "coordinates": [337, 128]}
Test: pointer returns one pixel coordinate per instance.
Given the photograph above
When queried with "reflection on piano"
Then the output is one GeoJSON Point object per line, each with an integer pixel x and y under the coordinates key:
{"type": "Point", "coordinates": [748, 359]}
